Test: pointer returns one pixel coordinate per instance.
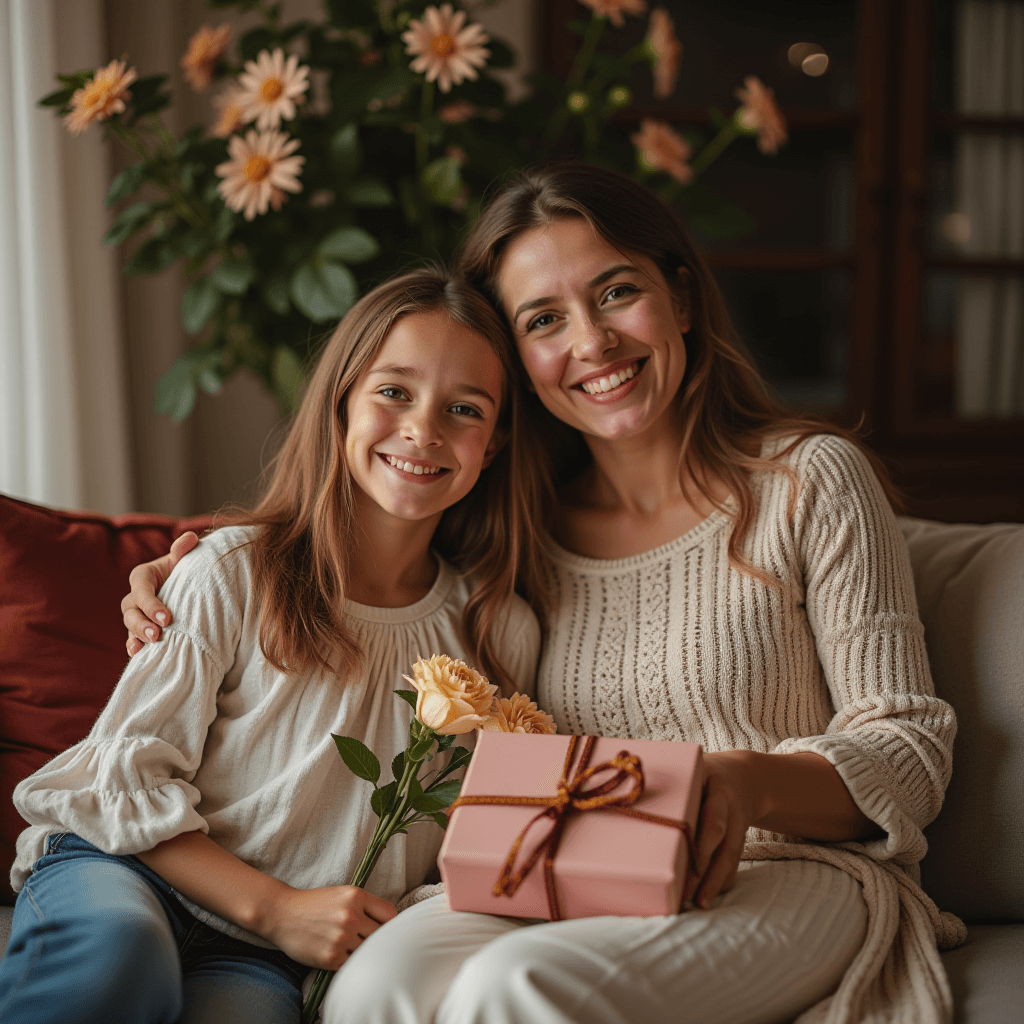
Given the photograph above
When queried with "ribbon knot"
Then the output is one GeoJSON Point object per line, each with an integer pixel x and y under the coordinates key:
{"type": "Point", "coordinates": [571, 795]}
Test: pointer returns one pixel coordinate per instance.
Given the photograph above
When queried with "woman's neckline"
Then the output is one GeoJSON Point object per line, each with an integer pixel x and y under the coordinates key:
{"type": "Point", "coordinates": [429, 603]}
{"type": "Point", "coordinates": [710, 522]}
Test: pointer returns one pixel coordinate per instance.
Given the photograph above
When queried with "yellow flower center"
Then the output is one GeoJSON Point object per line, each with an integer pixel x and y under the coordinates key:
{"type": "Point", "coordinates": [443, 45]}
{"type": "Point", "coordinates": [257, 168]}
{"type": "Point", "coordinates": [94, 92]}
{"type": "Point", "coordinates": [272, 88]}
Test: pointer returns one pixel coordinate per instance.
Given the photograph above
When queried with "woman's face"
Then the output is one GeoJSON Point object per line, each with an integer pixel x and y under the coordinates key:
{"type": "Point", "coordinates": [599, 332]}
{"type": "Point", "coordinates": [422, 416]}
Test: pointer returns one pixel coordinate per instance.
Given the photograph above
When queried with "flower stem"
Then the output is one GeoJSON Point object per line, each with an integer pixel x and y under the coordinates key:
{"type": "Point", "coordinates": [728, 133]}
{"type": "Point", "coordinates": [422, 142]}
{"type": "Point", "coordinates": [577, 73]}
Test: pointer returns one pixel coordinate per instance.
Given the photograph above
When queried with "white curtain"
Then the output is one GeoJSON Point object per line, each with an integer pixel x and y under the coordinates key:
{"type": "Point", "coordinates": [990, 191]}
{"type": "Point", "coordinates": [63, 428]}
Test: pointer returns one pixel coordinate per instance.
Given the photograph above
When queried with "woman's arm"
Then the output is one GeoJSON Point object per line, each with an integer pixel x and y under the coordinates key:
{"type": "Point", "coordinates": [795, 794]}
{"type": "Point", "coordinates": [317, 927]}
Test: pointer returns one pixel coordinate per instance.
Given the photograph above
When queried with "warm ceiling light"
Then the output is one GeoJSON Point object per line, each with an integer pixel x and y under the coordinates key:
{"type": "Point", "coordinates": [815, 64]}
{"type": "Point", "coordinates": [799, 52]}
{"type": "Point", "coordinates": [955, 228]}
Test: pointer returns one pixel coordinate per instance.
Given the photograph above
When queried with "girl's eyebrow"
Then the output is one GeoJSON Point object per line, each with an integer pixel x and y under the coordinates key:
{"type": "Point", "coordinates": [592, 283]}
{"type": "Point", "coordinates": [394, 370]}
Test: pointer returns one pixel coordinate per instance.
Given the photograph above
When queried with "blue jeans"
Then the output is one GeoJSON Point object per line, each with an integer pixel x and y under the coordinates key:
{"type": "Point", "coordinates": [98, 939]}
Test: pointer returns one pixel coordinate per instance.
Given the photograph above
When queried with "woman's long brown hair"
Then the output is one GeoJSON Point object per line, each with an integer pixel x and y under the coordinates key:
{"type": "Point", "coordinates": [725, 409]}
{"type": "Point", "coordinates": [305, 520]}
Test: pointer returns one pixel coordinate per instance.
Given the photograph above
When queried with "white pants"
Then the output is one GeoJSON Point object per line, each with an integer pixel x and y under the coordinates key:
{"type": "Point", "coordinates": [776, 944]}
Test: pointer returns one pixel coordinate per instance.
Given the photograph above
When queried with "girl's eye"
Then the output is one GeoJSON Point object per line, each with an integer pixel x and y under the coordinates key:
{"type": "Point", "coordinates": [391, 392]}
{"type": "Point", "coordinates": [464, 410]}
{"type": "Point", "coordinates": [542, 320]}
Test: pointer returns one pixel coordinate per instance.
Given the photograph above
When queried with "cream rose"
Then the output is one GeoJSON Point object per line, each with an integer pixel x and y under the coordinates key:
{"type": "Point", "coordinates": [452, 697]}
{"type": "Point", "coordinates": [518, 714]}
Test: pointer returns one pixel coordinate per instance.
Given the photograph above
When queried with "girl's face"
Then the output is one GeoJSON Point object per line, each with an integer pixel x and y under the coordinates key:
{"type": "Point", "coordinates": [599, 332]}
{"type": "Point", "coordinates": [422, 416]}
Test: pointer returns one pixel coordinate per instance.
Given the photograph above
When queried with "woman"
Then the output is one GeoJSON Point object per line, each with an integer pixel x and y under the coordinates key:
{"type": "Point", "coordinates": [723, 573]}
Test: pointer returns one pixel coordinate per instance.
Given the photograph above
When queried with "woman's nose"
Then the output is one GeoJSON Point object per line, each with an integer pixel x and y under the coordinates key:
{"type": "Point", "coordinates": [421, 428]}
{"type": "Point", "coordinates": [592, 339]}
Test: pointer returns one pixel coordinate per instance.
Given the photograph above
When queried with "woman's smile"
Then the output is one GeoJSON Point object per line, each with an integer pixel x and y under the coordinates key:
{"type": "Point", "coordinates": [416, 468]}
{"type": "Point", "coordinates": [609, 385]}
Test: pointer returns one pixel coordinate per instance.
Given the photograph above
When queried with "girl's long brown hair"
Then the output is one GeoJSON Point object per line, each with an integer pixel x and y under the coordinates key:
{"type": "Point", "coordinates": [305, 520]}
{"type": "Point", "coordinates": [725, 409]}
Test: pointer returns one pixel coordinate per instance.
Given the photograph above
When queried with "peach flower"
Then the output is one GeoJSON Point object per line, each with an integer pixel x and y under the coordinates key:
{"type": "Point", "coordinates": [664, 149]}
{"type": "Point", "coordinates": [231, 106]}
{"type": "Point", "coordinates": [444, 49]}
{"type": "Point", "coordinates": [452, 697]}
{"type": "Point", "coordinates": [518, 714]}
{"type": "Point", "coordinates": [457, 112]}
{"type": "Point", "coordinates": [101, 97]}
{"type": "Point", "coordinates": [272, 87]}
{"type": "Point", "coordinates": [614, 9]}
{"type": "Point", "coordinates": [205, 48]}
{"type": "Point", "coordinates": [668, 52]}
{"type": "Point", "coordinates": [760, 113]}
{"type": "Point", "coordinates": [260, 171]}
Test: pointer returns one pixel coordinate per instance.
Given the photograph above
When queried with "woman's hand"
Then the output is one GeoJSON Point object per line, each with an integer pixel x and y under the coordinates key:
{"type": "Point", "coordinates": [144, 613]}
{"type": "Point", "coordinates": [322, 927]}
{"type": "Point", "coordinates": [795, 794]}
{"type": "Point", "coordinates": [727, 810]}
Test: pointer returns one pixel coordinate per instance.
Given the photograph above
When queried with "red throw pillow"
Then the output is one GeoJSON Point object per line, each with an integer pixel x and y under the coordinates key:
{"type": "Point", "coordinates": [62, 577]}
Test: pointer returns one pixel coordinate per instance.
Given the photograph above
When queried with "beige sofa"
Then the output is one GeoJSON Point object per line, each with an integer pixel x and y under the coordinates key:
{"type": "Point", "coordinates": [970, 586]}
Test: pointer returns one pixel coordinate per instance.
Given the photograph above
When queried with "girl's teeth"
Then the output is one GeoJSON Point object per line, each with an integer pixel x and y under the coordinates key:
{"type": "Point", "coordinates": [408, 467]}
{"type": "Point", "coordinates": [596, 387]}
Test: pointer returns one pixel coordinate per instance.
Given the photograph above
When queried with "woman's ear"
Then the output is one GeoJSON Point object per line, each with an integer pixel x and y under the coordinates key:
{"type": "Point", "coordinates": [682, 296]}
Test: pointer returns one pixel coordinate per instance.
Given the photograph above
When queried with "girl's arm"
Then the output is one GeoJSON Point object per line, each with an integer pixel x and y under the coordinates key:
{"type": "Point", "coordinates": [317, 927]}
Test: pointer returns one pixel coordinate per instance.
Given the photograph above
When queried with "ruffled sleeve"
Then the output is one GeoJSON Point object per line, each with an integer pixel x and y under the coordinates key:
{"type": "Point", "coordinates": [891, 738]}
{"type": "Point", "coordinates": [127, 785]}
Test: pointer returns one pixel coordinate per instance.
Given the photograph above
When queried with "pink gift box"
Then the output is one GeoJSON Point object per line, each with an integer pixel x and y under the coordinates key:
{"type": "Point", "coordinates": [627, 862]}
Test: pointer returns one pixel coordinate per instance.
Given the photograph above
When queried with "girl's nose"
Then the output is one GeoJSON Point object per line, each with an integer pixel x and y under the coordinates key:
{"type": "Point", "coordinates": [420, 427]}
{"type": "Point", "coordinates": [592, 340]}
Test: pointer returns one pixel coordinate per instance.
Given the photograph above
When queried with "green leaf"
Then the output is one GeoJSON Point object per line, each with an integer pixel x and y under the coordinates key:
{"type": "Point", "coordinates": [131, 220]}
{"type": "Point", "coordinates": [361, 761]}
{"type": "Point", "coordinates": [409, 696]}
{"type": "Point", "coordinates": [323, 290]}
{"type": "Point", "coordinates": [382, 798]}
{"type": "Point", "coordinates": [289, 375]}
{"type": "Point", "coordinates": [147, 97]}
{"type": "Point", "coordinates": [350, 244]}
{"type": "Point", "coordinates": [442, 179]}
{"type": "Point", "coordinates": [233, 276]}
{"type": "Point", "coordinates": [445, 743]}
{"type": "Point", "coordinates": [460, 758]}
{"type": "Point", "coordinates": [350, 13]}
{"type": "Point", "coordinates": [176, 390]}
{"type": "Point", "coordinates": [152, 257]}
{"type": "Point", "coordinates": [346, 152]}
{"type": "Point", "coordinates": [198, 304]}
{"type": "Point", "coordinates": [712, 214]}
{"type": "Point", "coordinates": [426, 803]}
{"type": "Point", "coordinates": [398, 765]}
{"type": "Point", "coordinates": [275, 295]}
{"type": "Point", "coordinates": [255, 40]}
{"type": "Point", "coordinates": [441, 818]}
{"type": "Point", "coordinates": [446, 792]}
{"type": "Point", "coordinates": [209, 379]}
{"type": "Point", "coordinates": [57, 98]}
{"type": "Point", "coordinates": [224, 225]}
{"type": "Point", "coordinates": [502, 55]}
{"type": "Point", "coordinates": [369, 192]}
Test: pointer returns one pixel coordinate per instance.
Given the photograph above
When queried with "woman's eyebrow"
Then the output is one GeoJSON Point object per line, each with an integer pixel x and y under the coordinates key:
{"type": "Point", "coordinates": [592, 283]}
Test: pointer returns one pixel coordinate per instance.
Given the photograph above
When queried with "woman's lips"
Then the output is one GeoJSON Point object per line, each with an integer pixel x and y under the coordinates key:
{"type": "Point", "coordinates": [615, 383]}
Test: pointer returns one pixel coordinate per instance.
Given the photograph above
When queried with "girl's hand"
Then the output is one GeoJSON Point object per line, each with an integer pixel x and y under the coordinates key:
{"type": "Point", "coordinates": [727, 810]}
{"type": "Point", "coordinates": [144, 613]}
{"type": "Point", "coordinates": [322, 927]}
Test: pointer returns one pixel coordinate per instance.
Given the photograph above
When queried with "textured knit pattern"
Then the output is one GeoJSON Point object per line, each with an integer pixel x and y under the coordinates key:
{"type": "Point", "coordinates": [676, 644]}
{"type": "Point", "coordinates": [202, 733]}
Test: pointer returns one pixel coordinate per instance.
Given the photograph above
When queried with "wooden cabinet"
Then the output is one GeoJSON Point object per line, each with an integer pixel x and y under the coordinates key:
{"type": "Point", "coordinates": [884, 279]}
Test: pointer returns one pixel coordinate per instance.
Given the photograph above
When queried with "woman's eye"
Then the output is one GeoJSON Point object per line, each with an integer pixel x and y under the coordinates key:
{"type": "Point", "coordinates": [619, 291]}
{"type": "Point", "coordinates": [464, 410]}
{"type": "Point", "coordinates": [543, 320]}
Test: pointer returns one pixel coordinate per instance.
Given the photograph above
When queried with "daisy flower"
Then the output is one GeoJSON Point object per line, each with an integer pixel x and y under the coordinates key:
{"type": "Point", "coordinates": [760, 113]}
{"type": "Point", "coordinates": [230, 104]}
{"type": "Point", "coordinates": [205, 48]}
{"type": "Point", "coordinates": [273, 87]}
{"type": "Point", "coordinates": [664, 149]}
{"type": "Point", "coordinates": [261, 170]}
{"type": "Point", "coordinates": [667, 50]}
{"type": "Point", "coordinates": [614, 9]}
{"type": "Point", "coordinates": [444, 49]}
{"type": "Point", "coordinates": [101, 97]}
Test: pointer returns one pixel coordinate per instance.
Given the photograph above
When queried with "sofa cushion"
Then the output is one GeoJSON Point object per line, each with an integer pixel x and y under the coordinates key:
{"type": "Point", "coordinates": [970, 592]}
{"type": "Point", "coordinates": [62, 577]}
{"type": "Point", "coordinates": [985, 975]}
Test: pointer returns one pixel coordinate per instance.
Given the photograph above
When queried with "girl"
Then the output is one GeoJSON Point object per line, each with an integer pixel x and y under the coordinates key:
{"type": "Point", "coordinates": [184, 860]}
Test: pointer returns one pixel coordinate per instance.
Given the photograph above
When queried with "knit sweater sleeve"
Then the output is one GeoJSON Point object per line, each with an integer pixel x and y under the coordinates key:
{"type": "Point", "coordinates": [891, 738]}
{"type": "Point", "coordinates": [127, 785]}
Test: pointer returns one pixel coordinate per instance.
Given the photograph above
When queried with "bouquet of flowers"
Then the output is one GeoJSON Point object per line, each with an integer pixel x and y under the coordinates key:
{"type": "Point", "coordinates": [345, 146]}
{"type": "Point", "coordinates": [450, 699]}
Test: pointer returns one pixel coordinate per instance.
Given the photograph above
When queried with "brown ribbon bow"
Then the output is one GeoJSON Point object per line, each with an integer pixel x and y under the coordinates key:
{"type": "Point", "coordinates": [571, 796]}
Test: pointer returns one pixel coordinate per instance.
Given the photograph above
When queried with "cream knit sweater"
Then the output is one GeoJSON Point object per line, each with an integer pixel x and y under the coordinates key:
{"type": "Point", "coordinates": [676, 644]}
